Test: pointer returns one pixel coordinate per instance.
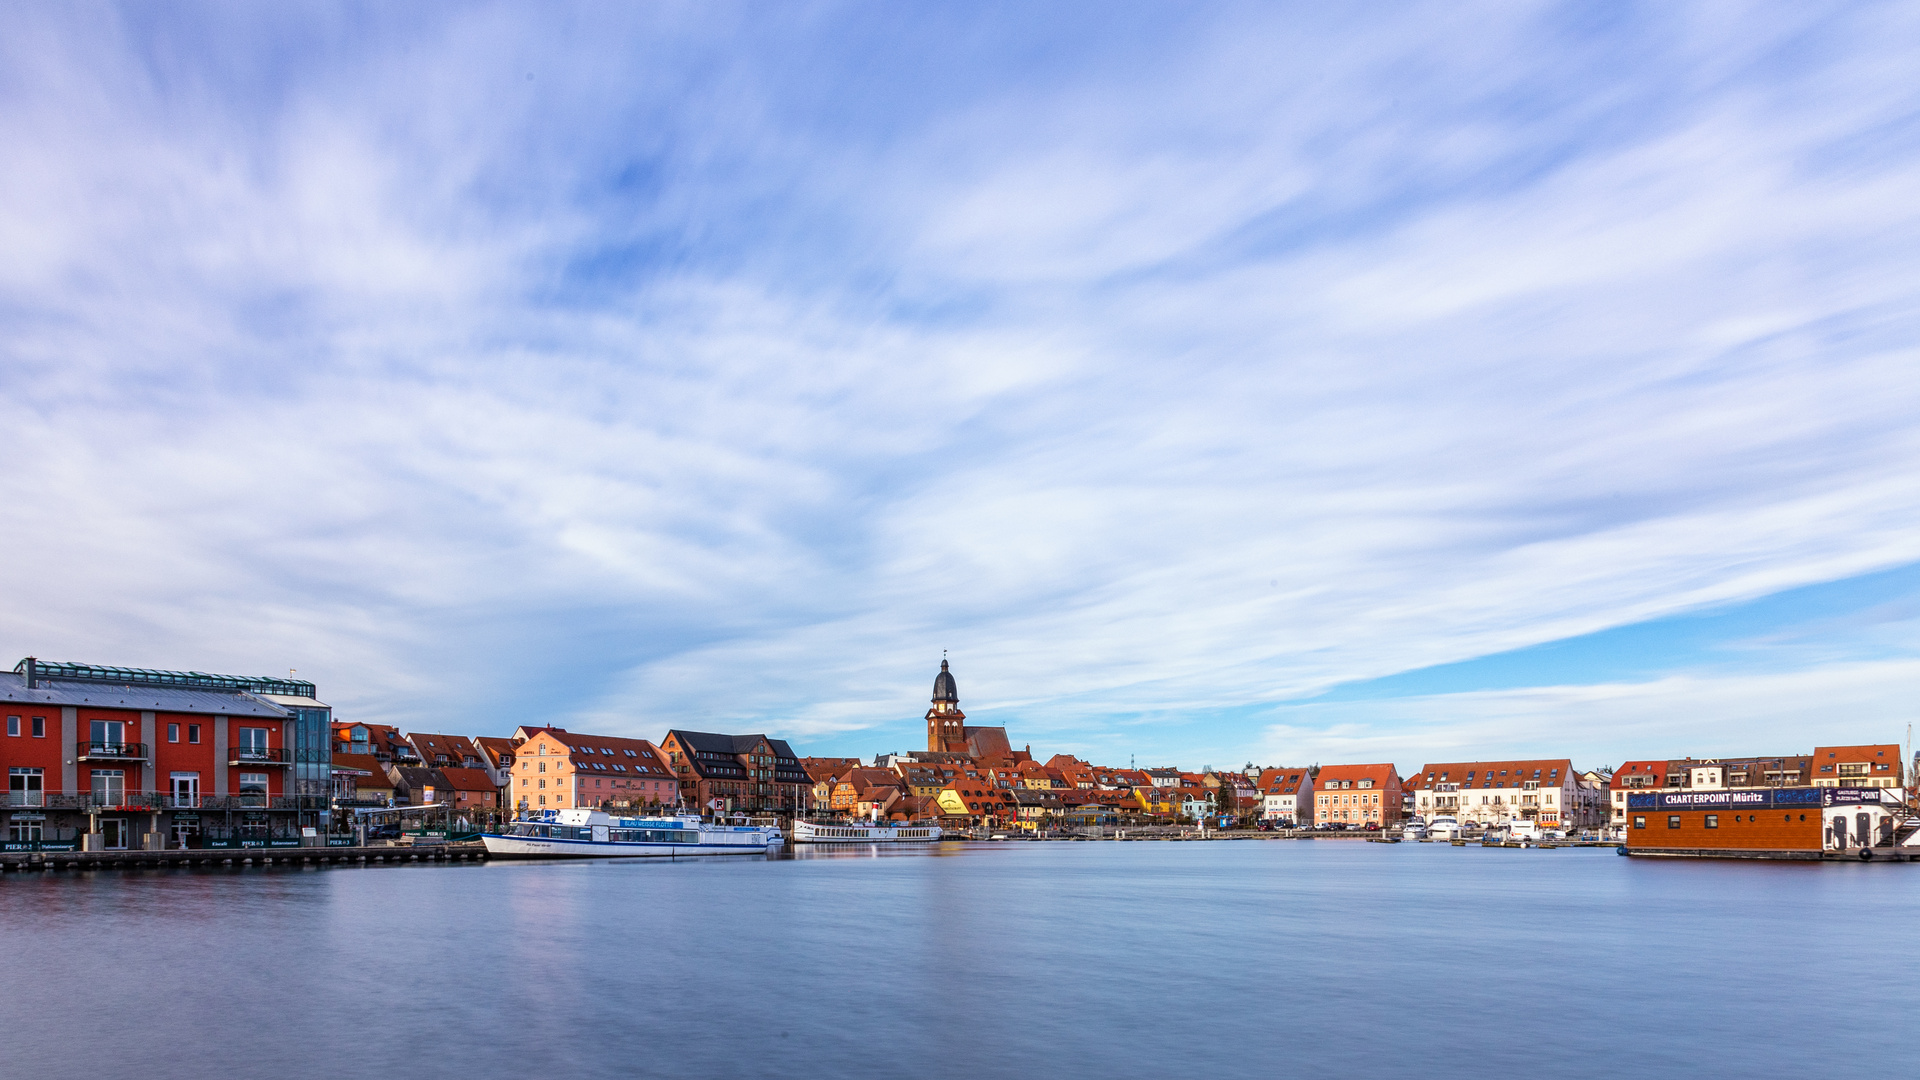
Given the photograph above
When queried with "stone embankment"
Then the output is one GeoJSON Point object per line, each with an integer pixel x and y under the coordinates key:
{"type": "Point", "coordinates": [27, 861]}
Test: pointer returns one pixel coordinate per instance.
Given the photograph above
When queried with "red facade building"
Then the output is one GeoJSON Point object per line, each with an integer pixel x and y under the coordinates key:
{"type": "Point", "coordinates": [127, 758]}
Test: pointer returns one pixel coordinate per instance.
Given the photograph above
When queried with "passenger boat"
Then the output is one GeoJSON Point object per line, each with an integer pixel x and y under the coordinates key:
{"type": "Point", "coordinates": [807, 832]}
{"type": "Point", "coordinates": [595, 834]}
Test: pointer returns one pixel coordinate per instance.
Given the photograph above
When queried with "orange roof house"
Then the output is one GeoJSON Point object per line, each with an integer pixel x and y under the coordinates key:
{"type": "Point", "coordinates": [556, 769]}
{"type": "Point", "coordinates": [1872, 765]}
{"type": "Point", "coordinates": [1357, 795]}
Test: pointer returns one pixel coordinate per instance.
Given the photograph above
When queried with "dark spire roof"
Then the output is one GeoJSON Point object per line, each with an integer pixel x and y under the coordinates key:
{"type": "Point", "coordinates": [943, 686]}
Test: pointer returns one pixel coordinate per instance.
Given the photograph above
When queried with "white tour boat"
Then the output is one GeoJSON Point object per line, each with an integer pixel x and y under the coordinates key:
{"type": "Point", "coordinates": [595, 834]}
{"type": "Point", "coordinates": [807, 832]}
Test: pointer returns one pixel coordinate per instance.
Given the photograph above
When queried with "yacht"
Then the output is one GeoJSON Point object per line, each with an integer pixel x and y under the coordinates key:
{"type": "Point", "coordinates": [595, 834]}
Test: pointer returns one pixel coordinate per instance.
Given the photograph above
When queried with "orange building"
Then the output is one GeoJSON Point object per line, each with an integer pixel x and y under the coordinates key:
{"type": "Point", "coordinates": [1770, 821]}
{"type": "Point", "coordinates": [555, 769]}
{"type": "Point", "coordinates": [1357, 795]}
{"type": "Point", "coordinates": [1876, 765]}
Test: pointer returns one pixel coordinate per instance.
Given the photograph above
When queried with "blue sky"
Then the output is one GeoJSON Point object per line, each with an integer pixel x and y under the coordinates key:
{"type": "Point", "coordinates": [1268, 382]}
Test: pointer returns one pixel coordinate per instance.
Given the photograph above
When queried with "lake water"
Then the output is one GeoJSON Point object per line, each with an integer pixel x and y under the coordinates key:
{"type": "Point", "coordinates": [1231, 959]}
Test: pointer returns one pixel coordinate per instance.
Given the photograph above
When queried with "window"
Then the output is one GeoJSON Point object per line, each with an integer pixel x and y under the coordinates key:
{"type": "Point", "coordinates": [193, 733]}
{"type": "Point", "coordinates": [543, 767]}
{"type": "Point", "coordinates": [1639, 822]}
{"type": "Point", "coordinates": [23, 832]}
{"type": "Point", "coordinates": [632, 754]}
{"type": "Point", "coordinates": [1673, 821]}
{"type": "Point", "coordinates": [253, 789]}
{"type": "Point", "coordinates": [26, 787]}
{"type": "Point", "coordinates": [39, 727]}
{"type": "Point", "coordinates": [173, 732]}
{"type": "Point", "coordinates": [13, 726]}
{"type": "Point", "coordinates": [1713, 821]}
{"type": "Point", "coordinates": [109, 787]}
{"type": "Point", "coordinates": [253, 742]}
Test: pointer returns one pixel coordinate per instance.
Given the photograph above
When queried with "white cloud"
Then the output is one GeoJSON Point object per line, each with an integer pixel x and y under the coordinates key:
{"type": "Point", "coordinates": [1677, 716]}
{"type": "Point", "coordinates": [680, 383]}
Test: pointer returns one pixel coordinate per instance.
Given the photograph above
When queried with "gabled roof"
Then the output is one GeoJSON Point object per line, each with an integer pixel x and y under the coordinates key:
{"type": "Point", "coordinates": [1285, 781]}
{"type": "Point", "coordinates": [1657, 770]}
{"type": "Point", "coordinates": [457, 748]}
{"type": "Point", "coordinates": [1383, 775]}
{"type": "Point", "coordinates": [1884, 759]}
{"type": "Point", "coordinates": [787, 768]}
{"type": "Point", "coordinates": [1552, 772]}
{"type": "Point", "coordinates": [460, 779]}
{"type": "Point", "coordinates": [413, 778]}
{"type": "Point", "coordinates": [495, 748]}
{"type": "Point", "coordinates": [369, 771]}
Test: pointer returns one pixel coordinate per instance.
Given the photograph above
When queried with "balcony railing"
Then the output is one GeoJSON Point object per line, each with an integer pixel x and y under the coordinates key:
{"type": "Point", "coordinates": [260, 755]}
{"type": "Point", "coordinates": [112, 751]}
{"type": "Point", "coordinates": [152, 801]}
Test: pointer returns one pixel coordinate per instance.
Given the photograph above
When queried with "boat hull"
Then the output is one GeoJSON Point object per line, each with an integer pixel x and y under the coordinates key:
{"type": "Point", "coordinates": [541, 847]}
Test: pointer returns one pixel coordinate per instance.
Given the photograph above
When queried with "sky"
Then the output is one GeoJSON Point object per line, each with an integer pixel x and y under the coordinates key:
{"type": "Point", "coordinates": [1278, 383]}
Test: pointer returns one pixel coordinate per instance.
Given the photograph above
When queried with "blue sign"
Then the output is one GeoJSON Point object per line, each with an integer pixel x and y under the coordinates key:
{"type": "Point", "coordinates": [1737, 799]}
{"type": "Point", "coordinates": [1851, 796]}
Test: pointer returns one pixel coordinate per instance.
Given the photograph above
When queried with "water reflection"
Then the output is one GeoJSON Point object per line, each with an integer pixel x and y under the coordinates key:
{"type": "Point", "coordinates": [978, 960]}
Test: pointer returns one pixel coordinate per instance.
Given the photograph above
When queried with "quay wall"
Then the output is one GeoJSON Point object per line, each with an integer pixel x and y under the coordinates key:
{"type": "Point", "coordinates": [27, 862]}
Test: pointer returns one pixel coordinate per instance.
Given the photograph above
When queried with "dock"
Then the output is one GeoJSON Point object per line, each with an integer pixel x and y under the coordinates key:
{"type": "Point", "coordinates": [29, 861]}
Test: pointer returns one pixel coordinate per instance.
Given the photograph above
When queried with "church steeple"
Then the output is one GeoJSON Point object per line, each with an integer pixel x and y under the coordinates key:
{"type": "Point", "coordinates": [946, 724]}
{"type": "Point", "coordinates": [944, 688]}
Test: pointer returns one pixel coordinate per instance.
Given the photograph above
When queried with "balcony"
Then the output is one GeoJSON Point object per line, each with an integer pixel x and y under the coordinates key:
{"type": "Point", "coordinates": [162, 801]}
{"type": "Point", "coordinates": [258, 755]}
{"type": "Point", "coordinates": [111, 751]}
{"type": "Point", "coordinates": [26, 798]}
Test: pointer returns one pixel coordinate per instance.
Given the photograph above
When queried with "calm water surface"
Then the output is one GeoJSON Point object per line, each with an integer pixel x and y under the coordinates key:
{"type": "Point", "coordinates": [1251, 959]}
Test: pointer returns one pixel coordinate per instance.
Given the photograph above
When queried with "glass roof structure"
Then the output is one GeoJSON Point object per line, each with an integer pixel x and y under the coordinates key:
{"type": "Point", "coordinates": [185, 680]}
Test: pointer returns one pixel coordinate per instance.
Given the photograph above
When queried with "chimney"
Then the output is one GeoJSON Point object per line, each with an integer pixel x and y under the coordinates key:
{"type": "Point", "coordinates": [31, 664]}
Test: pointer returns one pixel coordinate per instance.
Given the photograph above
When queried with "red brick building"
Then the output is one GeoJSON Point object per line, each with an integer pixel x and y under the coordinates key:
{"type": "Point", "coordinates": [746, 773]}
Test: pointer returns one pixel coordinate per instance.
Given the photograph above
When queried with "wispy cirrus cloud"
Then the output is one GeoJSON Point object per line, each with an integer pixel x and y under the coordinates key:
{"type": "Point", "coordinates": [719, 366]}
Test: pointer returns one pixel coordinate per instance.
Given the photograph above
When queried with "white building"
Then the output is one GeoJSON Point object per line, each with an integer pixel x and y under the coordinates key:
{"type": "Point", "coordinates": [1547, 791]}
{"type": "Point", "coordinates": [1286, 795]}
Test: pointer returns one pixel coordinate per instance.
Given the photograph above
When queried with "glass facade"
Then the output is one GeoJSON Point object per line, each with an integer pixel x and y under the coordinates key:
{"type": "Point", "coordinates": [313, 762]}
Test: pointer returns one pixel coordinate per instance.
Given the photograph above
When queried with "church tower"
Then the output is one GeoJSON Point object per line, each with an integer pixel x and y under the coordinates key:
{"type": "Point", "coordinates": [946, 724]}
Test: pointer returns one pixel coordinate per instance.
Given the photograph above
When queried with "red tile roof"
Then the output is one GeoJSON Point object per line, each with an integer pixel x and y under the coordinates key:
{"type": "Point", "coordinates": [1553, 771]}
{"type": "Point", "coordinates": [1383, 776]}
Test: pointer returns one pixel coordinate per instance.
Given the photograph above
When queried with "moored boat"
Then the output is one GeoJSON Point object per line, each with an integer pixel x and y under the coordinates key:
{"type": "Point", "coordinates": [595, 834]}
{"type": "Point", "coordinates": [807, 832]}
